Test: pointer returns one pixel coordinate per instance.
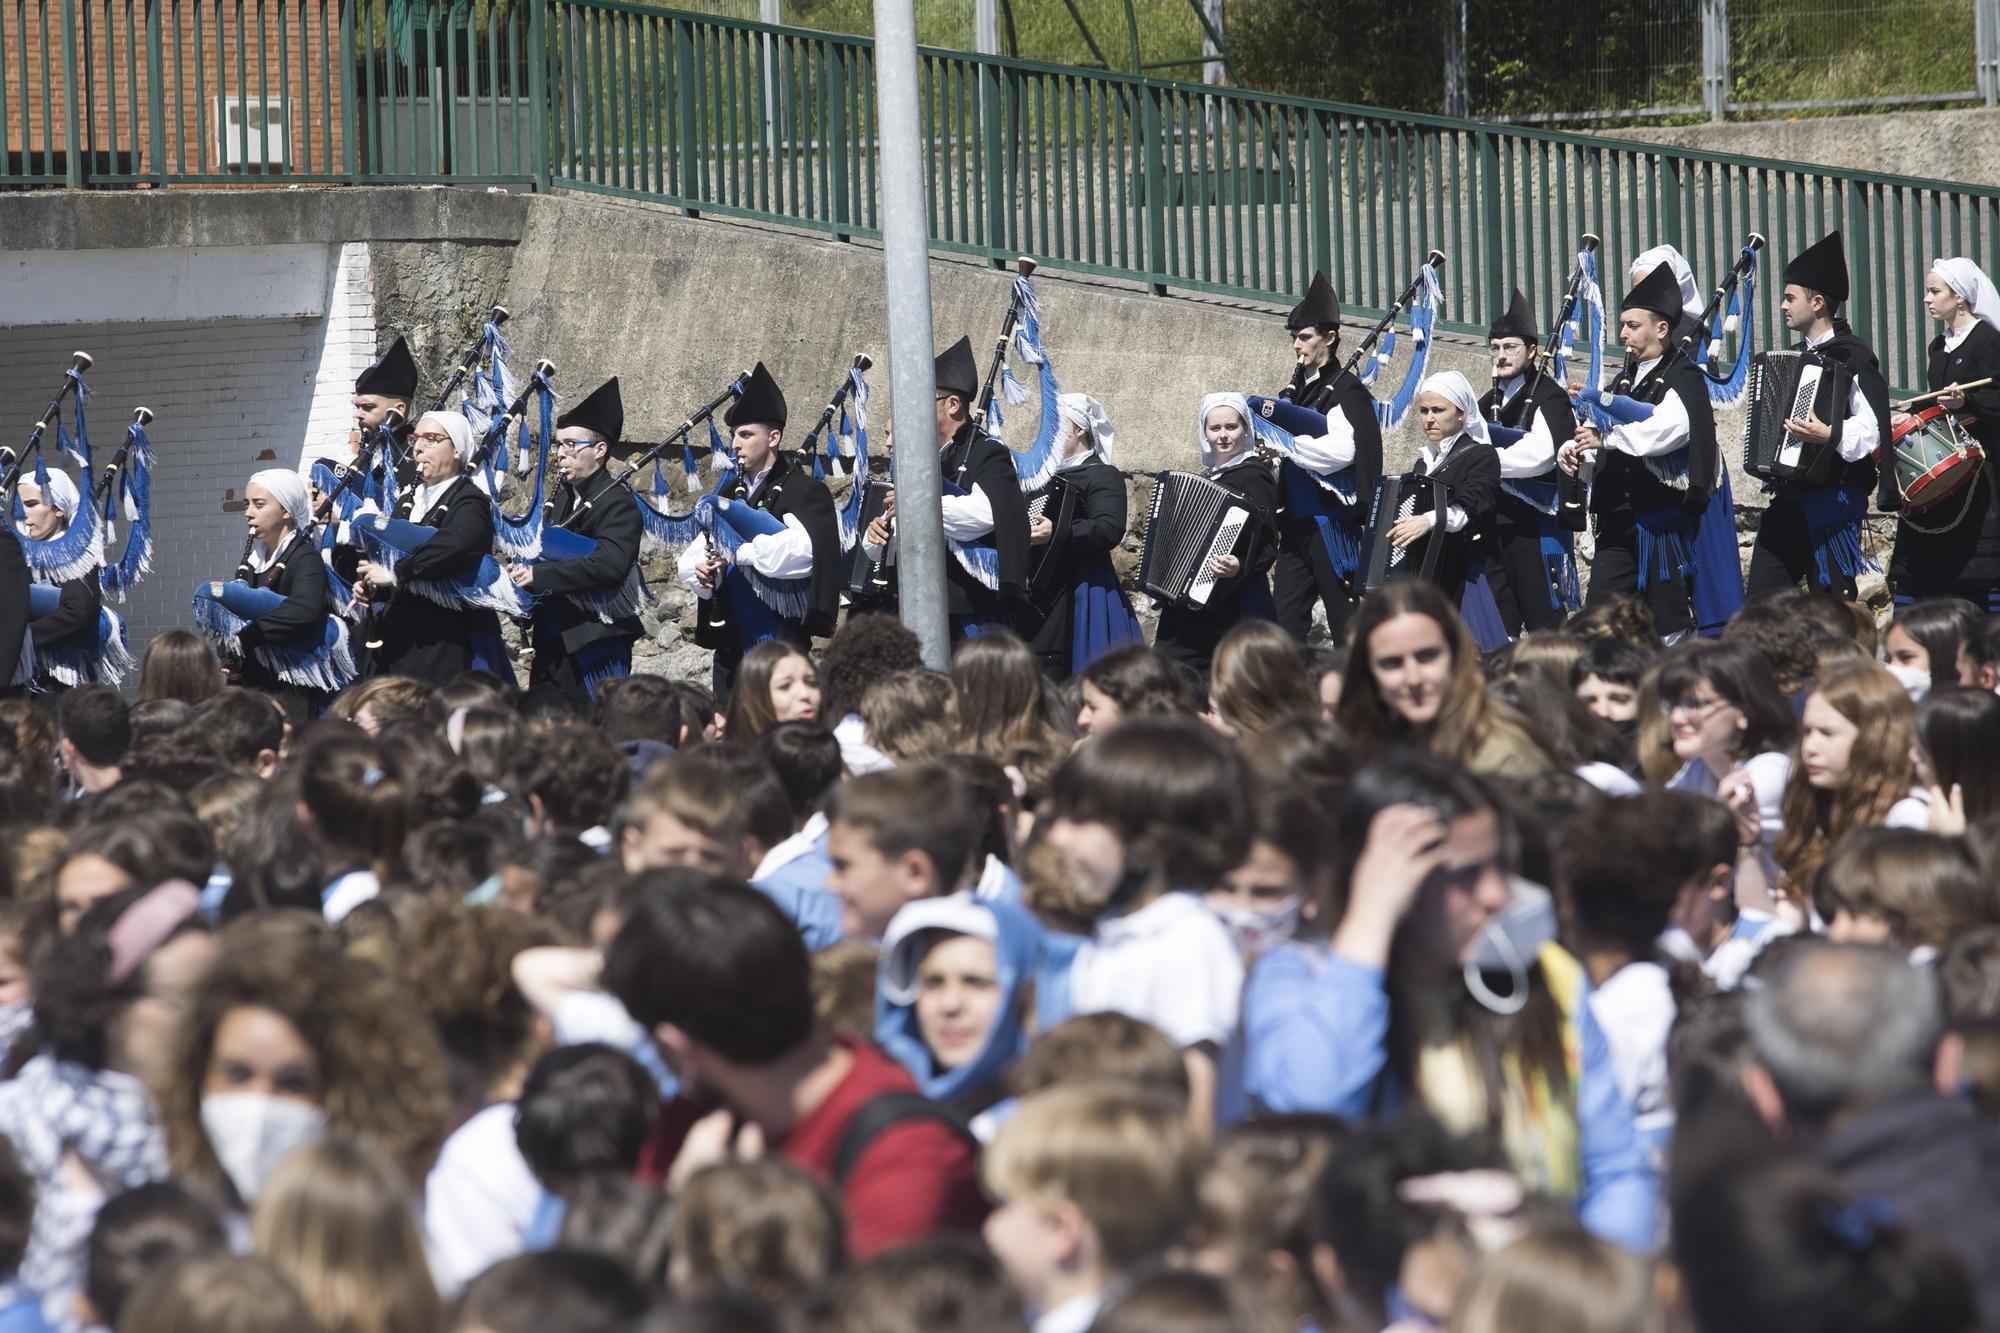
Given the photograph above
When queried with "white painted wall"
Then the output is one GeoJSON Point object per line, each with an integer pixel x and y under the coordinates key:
{"type": "Point", "coordinates": [192, 283]}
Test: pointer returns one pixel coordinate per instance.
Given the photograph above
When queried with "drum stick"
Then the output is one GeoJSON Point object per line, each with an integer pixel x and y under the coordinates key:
{"type": "Point", "coordinates": [1909, 403]}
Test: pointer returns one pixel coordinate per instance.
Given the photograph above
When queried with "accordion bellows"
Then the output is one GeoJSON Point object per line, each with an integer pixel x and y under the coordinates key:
{"type": "Point", "coordinates": [1191, 523]}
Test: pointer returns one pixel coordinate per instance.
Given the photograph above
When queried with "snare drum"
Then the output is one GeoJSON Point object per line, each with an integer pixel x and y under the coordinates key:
{"type": "Point", "coordinates": [1934, 459]}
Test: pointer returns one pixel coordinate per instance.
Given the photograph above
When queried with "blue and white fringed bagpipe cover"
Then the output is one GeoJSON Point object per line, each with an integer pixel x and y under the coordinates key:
{"type": "Point", "coordinates": [760, 604]}
{"type": "Point", "coordinates": [222, 610]}
{"type": "Point", "coordinates": [491, 388]}
{"type": "Point", "coordinates": [388, 540]}
{"type": "Point", "coordinates": [1035, 464]}
{"type": "Point", "coordinates": [1558, 544]}
{"type": "Point", "coordinates": [103, 661]}
{"type": "Point", "coordinates": [1738, 317]}
{"type": "Point", "coordinates": [521, 536]}
{"type": "Point", "coordinates": [129, 493]}
{"type": "Point", "coordinates": [1331, 502]}
{"type": "Point", "coordinates": [78, 550]}
{"type": "Point", "coordinates": [853, 445]}
{"type": "Point", "coordinates": [607, 604]}
{"type": "Point", "coordinates": [1424, 308]}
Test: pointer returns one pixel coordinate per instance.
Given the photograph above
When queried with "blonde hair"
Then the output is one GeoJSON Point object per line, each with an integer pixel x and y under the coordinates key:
{"type": "Point", "coordinates": [911, 716]}
{"type": "Point", "coordinates": [764, 1230]}
{"type": "Point", "coordinates": [1880, 769]}
{"type": "Point", "coordinates": [1125, 1157]}
{"type": "Point", "coordinates": [339, 1219]}
{"type": "Point", "coordinates": [1563, 1280]}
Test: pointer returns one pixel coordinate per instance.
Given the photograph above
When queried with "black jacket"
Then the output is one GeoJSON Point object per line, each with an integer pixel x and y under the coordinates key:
{"type": "Point", "coordinates": [791, 491]}
{"type": "Point", "coordinates": [1334, 390]}
{"type": "Point", "coordinates": [1627, 485]}
{"type": "Point", "coordinates": [1968, 550]}
{"type": "Point", "coordinates": [974, 459]}
{"type": "Point", "coordinates": [73, 624]}
{"type": "Point", "coordinates": [612, 520]}
{"type": "Point", "coordinates": [1856, 355]}
{"type": "Point", "coordinates": [1938, 1163]}
{"type": "Point", "coordinates": [1541, 396]}
{"type": "Point", "coordinates": [421, 638]}
{"type": "Point", "coordinates": [13, 602]}
{"type": "Point", "coordinates": [1095, 530]}
{"type": "Point", "coordinates": [300, 622]}
{"type": "Point", "coordinates": [1471, 474]}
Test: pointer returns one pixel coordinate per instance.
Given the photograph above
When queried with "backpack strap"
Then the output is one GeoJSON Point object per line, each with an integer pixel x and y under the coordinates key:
{"type": "Point", "coordinates": [884, 1111]}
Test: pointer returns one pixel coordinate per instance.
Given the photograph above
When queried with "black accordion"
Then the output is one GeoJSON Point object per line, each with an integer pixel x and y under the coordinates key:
{"type": "Point", "coordinates": [1397, 498]}
{"type": "Point", "coordinates": [1789, 386]}
{"type": "Point", "coordinates": [1191, 523]}
{"type": "Point", "coordinates": [1057, 503]}
{"type": "Point", "coordinates": [868, 578]}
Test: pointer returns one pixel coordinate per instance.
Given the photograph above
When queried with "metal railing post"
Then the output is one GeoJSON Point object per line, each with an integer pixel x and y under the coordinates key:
{"type": "Point", "coordinates": [156, 97]}
{"type": "Point", "coordinates": [1322, 165]}
{"type": "Point", "coordinates": [1153, 149]}
{"type": "Point", "coordinates": [1986, 48]}
{"type": "Point", "coordinates": [1492, 187]}
{"type": "Point", "coordinates": [538, 91]}
{"type": "Point", "coordinates": [74, 106]}
{"type": "Point", "coordinates": [1715, 58]}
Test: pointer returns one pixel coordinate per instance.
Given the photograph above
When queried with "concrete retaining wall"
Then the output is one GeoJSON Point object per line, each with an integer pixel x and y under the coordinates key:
{"type": "Point", "coordinates": [1942, 145]}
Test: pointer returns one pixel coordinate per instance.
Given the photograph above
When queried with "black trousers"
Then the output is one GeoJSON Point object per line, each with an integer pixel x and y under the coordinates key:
{"type": "Point", "coordinates": [1524, 581]}
{"type": "Point", "coordinates": [1303, 574]}
{"type": "Point", "coordinates": [1781, 558]}
{"type": "Point", "coordinates": [1615, 573]}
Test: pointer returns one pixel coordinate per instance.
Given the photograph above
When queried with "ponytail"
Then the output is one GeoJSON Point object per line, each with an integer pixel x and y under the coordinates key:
{"type": "Point", "coordinates": [356, 803]}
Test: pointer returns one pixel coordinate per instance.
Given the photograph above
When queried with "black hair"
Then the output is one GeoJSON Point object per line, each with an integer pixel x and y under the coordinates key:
{"type": "Point", "coordinates": [1614, 661]}
{"type": "Point", "coordinates": [1625, 865]}
{"type": "Point", "coordinates": [553, 861]}
{"type": "Point", "coordinates": [1958, 730]}
{"type": "Point", "coordinates": [861, 652]}
{"type": "Point", "coordinates": [646, 708]}
{"type": "Point", "coordinates": [237, 725]}
{"type": "Point", "coordinates": [1176, 794]}
{"type": "Point", "coordinates": [1743, 677]}
{"type": "Point", "coordinates": [584, 1109]}
{"type": "Point", "coordinates": [718, 960]}
{"type": "Point", "coordinates": [17, 1210]}
{"type": "Point", "coordinates": [806, 759]}
{"type": "Point", "coordinates": [138, 1233]}
{"type": "Point", "coordinates": [578, 775]}
{"type": "Point", "coordinates": [96, 720]}
{"type": "Point", "coordinates": [572, 1290]}
{"type": "Point", "coordinates": [1941, 626]}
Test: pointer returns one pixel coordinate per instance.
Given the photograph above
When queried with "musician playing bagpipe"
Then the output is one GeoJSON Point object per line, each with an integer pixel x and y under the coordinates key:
{"type": "Point", "coordinates": [390, 384]}
{"type": "Point", "coordinates": [1529, 564]}
{"type": "Point", "coordinates": [580, 637]}
{"type": "Point", "coordinates": [429, 631]}
{"type": "Point", "coordinates": [1652, 477]}
{"type": "Point", "coordinates": [1811, 531]}
{"type": "Point", "coordinates": [1689, 325]}
{"type": "Point", "coordinates": [985, 513]}
{"type": "Point", "coordinates": [1950, 546]}
{"type": "Point", "coordinates": [1072, 587]}
{"type": "Point", "coordinates": [73, 639]}
{"type": "Point", "coordinates": [805, 547]}
{"type": "Point", "coordinates": [274, 621]}
{"type": "Point", "coordinates": [1189, 633]}
{"type": "Point", "coordinates": [1306, 567]}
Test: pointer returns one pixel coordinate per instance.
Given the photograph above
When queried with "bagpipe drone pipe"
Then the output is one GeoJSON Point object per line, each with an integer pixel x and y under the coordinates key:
{"type": "Point", "coordinates": [78, 550]}
{"type": "Point", "coordinates": [1732, 310]}
{"type": "Point", "coordinates": [223, 610]}
{"type": "Point", "coordinates": [757, 603]}
{"type": "Point", "coordinates": [127, 491]}
{"type": "Point", "coordinates": [1277, 424]}
{"type": "Point", "coordinates": [1424, 298]}
{"type": "Point", "coordinates": [103, 658]}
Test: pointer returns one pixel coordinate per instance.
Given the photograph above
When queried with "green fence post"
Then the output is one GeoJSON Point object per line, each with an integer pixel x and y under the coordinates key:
{"type": "Point", "coordinates": [538, 91]}
{"type": "Point", "coordinates": [834, 134]}
{"type": "Point", "coordinates": [1322, 162]}
{"type": "Point", "coordinates": [1154, 152]}
{"type": "Point", "coordinates": [693, 170]}
{"type": "Point", "coordinates": [350, 97]}
{"type": "Point", "coordinates": [156, 96]}
{"type": "Point", "coordinates": [993, 170]}
{"type": "Point", "coordinates": [1492, 189]}
{"type": "Point", "coordinates": [74, 107]}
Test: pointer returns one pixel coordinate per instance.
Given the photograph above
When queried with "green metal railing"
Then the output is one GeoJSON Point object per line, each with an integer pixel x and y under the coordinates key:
{"type": "Point", "coordinates": [1172, 185]}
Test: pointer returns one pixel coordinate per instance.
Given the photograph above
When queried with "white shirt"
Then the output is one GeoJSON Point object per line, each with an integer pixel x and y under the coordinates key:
{"type": "Point", "coordinates": [1862, 433]}
{"type": "Point", "coordinates": [1913, 811]}
{"type": "Point", "coordinates": [1610, 779]}
{"type": "Point", "coordinates": [1074, 1315]}
{"type": "Point", "coordinates": [1331, 452]}
{"type": "Point", "coordinates": [1661, 433]}
{"type": "Point", "coordinates": [1953, 337]}
{"type": "Point", "coordinates": [1171, 963]}
{"type": "Point", "coordinates": [1634, 1008]}
{"type": "Point", "coordinates": [349, 892]}
{"type": "Point", "coordinates": [966, 518]}
{"type": "Point", "coordinates": [1532, 454]}
{"type": "Point", "coordinates": [479, 1199]}
{"type": "Point", "coordinates": [775, 555]}
{"type": "Point", "coordinates": [1768, 773]}
{"type": "Point", "coordinates": [855, 752]}
{"type": "Point", "coordinates": [792, 848]}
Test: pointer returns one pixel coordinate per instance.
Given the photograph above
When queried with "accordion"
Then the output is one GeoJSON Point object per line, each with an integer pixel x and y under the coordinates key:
{"type": "Point", "coordinates": [868, 578]}
{"type": "Point", "coordinates": [1057, 503]}
{"type": "Point", "coordinates": [1396, 498]}
{"type": "Point", "coordinates": [1191, 523]}
{"type": "Point", "coordinates": [1789, 386]}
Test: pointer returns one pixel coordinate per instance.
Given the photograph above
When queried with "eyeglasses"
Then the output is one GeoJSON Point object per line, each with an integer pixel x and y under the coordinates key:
{"type": "Point", "coordinates": [430, 437]}
{"type": "Point", "coordinates": [574, 446]}
{"type": "Point", "coordinates": [1694, 709]}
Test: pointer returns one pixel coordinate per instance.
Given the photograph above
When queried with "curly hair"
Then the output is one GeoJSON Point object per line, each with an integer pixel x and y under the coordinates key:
{"type": "Point", "coordinates": [383, 1075]}
{"type": "Point", "coordinates": [1880, 769]}
{"type": "Point", "coordinates": [456, 963]}
{"type": "Point", "coordinates": [1142, 681]}
{"type": "Point", "coordinates": [864, 650]}
{"type": "Point", "coordinates": [911, 715]}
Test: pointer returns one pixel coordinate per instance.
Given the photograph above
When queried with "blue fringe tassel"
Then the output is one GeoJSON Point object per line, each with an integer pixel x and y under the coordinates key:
{"type": "Point", "coordinates": [389, 540]}
{"type": "Point", "coordinates": [729, 524]}
{"type": "Point", "coordinates": [133, 492]}
{"type": "Point", "coordinates": [1833, 521]}
{"type": "Point", "coordinates": [1037, 463]}
{"type": "Point", "coordinates": [850, 508]}
{"type": "Point", "coordinates": [1666, 537]}
{"type": "Point", "coordinates": [1423, 322]}
{"type": "Point", "coordinates": [328, 667]}
{"type": "Point", "coordinates": [1011, 388]}
{"type": "Point", "coordinates": [1743, 309]}
{"type": "Point", "coordinates": [627, 599]}
{"type": "Point", "coordinates": [521, 537]}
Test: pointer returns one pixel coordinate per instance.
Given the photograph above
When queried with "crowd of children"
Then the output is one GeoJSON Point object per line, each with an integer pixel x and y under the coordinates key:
{"type": "Point", "coordinates": [1584, 986]}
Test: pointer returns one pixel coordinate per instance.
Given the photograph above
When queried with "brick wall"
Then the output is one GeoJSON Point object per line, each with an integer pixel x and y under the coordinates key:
{"type": "Point", "coordinates": [232, 397]}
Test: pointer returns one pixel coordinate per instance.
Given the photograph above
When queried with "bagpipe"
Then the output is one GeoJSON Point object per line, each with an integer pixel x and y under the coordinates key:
{"type": "Point", "coordinates": [103, 660]}
{"type": "Point", "coordinates": [520, 537]}
{"type": "Point", "coordinates": [127, 489]}
{"type": "Point", "coordinates": [1732, 309]}
{"type": "Point", "coordinates": [1424, 298]}
{"type": "Point", "coordinates": [840, 453]}
{"type": "Point", "coordinates": [78, 550]}
{"type": "Point", "coordinates": [223, 610]}
{"type": "Point", "coordinates": [1021, 335]}
{"type": "Point", "coordinates": [340, 498]}
{"type": "Point", "coordinates": [489, 388]}
{"type": "Point", "coordinates": [1581, 313]}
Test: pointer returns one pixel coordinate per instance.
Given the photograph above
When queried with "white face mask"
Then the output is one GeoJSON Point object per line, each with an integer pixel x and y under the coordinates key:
{"type": "Point", "coordinates": [1916, 683]}
{"type": "Point", "coordinates": [1256, 931]}
{"type": "Point", "coordinates": [251, 1132]}
{"type": "Point", "coordinates": [1509, 944]}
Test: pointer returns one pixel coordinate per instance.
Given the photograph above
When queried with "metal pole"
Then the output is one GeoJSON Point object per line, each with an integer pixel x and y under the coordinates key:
{"type": "Point", "coordinates": [1715, 58]}
{"type": "Point", "coordinates": [1986, 38]}
{"type": "Point", "coordinates": [1457, 99]}
{"type": "Point", "coordinates": [906, 272]}
{"type": "Point", "coordinates": [1212, 71]}
{"type": "Point", "coordinates": [986, 27]}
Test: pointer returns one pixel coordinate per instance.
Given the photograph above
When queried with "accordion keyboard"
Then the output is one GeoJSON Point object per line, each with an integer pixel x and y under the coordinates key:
{"type": "Point", "coordinates": [1203, 586]}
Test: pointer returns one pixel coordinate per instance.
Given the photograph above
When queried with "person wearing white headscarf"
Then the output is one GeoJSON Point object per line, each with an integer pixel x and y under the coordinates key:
{"type": "Point", "coordinates": [1457, 453]}
{"type": "Point", "coordinates": [283, 558]}
{"type": "Point", "coordinates": [1952, 549]}
{"type": "Point", "coordinates": [1242, 590]}
{"type": "Point", "coordinates": [1072, 588]}
{"type": "Point", "coordinates": [71, 631]}
{"type": "Point", "coordinates": [428, 632]}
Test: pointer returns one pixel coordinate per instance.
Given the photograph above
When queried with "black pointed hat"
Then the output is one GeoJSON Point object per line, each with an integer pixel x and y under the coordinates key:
{"type": "Point", "coordinates": [957, 370]}
{"type": "Point", "coordinates": [1518, 322]}
{"type": "Point", "coordinates": [761, 402]}
{"type": "Point", "coordinates": [603, 412]}
{"type": "Point", "coordinates": [394, 376]}
{"type": "Point", "coordinates": [1320, 309]}
{"type": "Point", "coordinates": [1821, 267]}
{"type": "Point", "coordinates": [1659, 292]}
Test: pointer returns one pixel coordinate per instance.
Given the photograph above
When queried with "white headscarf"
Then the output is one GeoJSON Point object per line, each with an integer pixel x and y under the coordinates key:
{"type": "Point", "coordinates": [1672, 258]}
{"type": "Point", "coordinates": [1237, 403]}
{"type": "Point", "coordinates": [60, 494]}
{"type": "Point", "coordinates": [1087, 415]}
{"type": "Point", "coordinates": [1970, 281]}
{"type": "Point", "coordinates": [288, 488]}
{"type": "Point", "coordinates": [456, 426]}
{"type": "Point", "coordinates": [1456, 389]}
